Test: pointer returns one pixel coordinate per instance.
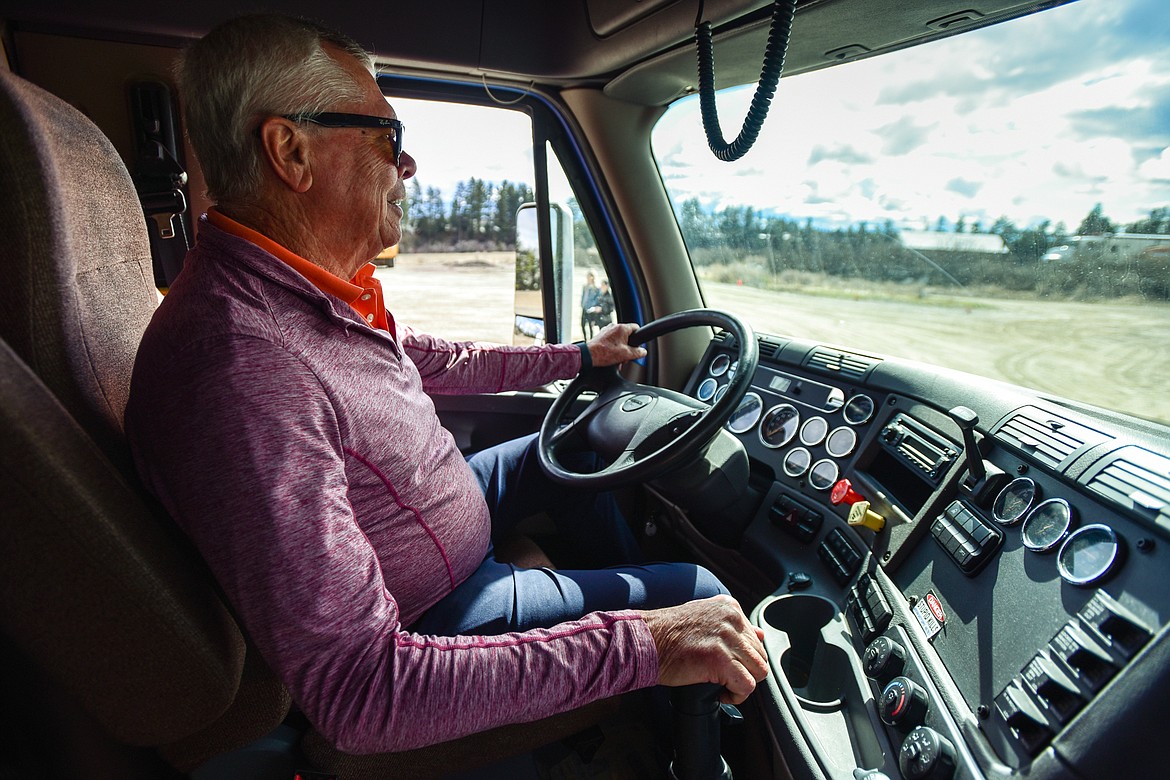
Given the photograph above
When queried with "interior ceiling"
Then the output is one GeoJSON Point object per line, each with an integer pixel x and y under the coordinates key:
{"type": "Point", "coordinates": [641, 49]}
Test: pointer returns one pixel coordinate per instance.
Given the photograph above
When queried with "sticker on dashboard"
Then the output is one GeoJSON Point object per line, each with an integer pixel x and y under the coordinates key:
{"type": "Point", "coordinates": [929, 612]}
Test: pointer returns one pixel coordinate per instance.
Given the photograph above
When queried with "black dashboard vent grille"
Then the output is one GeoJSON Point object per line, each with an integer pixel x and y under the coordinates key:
{"type": "Point", "coordinates": [1048, 437]}
{"type": "Point", "coordinates": [838, 362]}
{"type": "Point", "coordinates": [770, 348]}
{"type": "Point", "coordinates": [1134, 479]}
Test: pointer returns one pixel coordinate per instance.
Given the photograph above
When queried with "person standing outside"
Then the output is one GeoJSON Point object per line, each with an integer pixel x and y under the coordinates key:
{"type": "Point", "coordinates": [604, 307]}
{"type": "Point", "coordinates": [589, 294]}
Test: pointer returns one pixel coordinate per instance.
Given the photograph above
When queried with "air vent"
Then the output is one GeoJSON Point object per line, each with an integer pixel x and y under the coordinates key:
{"type": "Point", "coordinates": [838, 362]}
{"type": "Point", "coordinates": [1049, 438]}
{"type": "Point", "coordinates": [1134, 479]}
{"type": "Point", "coordinates": [770, 348]}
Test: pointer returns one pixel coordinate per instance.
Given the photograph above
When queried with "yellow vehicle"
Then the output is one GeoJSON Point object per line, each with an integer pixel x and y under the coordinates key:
{"type": "Point", "coordinates": [385, 258]}
{"type": "Point", "coordinates": [936, 476]}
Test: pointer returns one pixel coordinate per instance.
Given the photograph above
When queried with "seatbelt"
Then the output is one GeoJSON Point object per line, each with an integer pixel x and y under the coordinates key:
{"type": "Point", "coordinates": [159, 178]}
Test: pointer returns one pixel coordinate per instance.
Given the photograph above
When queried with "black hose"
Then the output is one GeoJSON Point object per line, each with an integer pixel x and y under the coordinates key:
{"type": "Point", "coordinates": [783, 13]}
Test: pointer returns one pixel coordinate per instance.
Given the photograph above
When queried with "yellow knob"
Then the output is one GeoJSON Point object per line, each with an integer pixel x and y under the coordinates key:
{"type": "Point", "coordinates": [859, 514]}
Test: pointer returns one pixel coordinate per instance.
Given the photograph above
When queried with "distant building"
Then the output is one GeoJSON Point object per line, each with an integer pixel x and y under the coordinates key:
{"type": "Point", "coordinates": [931, 240]}
{"type": "Point", "coordinates": [1114, 247]}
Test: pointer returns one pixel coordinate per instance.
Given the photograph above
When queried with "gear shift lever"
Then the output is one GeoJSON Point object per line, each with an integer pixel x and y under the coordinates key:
{"type": "Point", "coordinates": [696, 734]}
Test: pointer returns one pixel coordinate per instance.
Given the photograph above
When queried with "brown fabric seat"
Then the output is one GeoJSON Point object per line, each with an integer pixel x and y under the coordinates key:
{"type": "Point", "coordinates": [97, 587]}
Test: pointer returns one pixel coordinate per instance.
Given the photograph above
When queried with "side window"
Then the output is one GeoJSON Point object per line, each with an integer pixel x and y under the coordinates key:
{"type": "Point", "coordinates": [454, 274]}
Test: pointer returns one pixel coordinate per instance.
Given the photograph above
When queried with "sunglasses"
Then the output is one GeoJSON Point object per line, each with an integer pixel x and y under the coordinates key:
{"type": "Point", "coordinates": [328, 119]}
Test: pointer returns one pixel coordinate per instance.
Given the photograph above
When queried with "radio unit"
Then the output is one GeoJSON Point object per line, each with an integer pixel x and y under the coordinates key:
{"type": "Point", "coordinates": [924, 451]}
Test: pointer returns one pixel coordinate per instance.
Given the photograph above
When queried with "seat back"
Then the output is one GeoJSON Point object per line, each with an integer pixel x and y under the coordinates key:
{"type": "Point", "coordinates": [97, 586]}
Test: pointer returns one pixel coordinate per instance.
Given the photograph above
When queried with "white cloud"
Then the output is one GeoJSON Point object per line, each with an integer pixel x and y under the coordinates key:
{"type": "Point", "coordinates": [1157, 169]}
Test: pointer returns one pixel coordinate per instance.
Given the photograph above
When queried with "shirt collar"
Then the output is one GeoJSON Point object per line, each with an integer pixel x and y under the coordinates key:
{"type": "Point", "coordinates": [363, 293]}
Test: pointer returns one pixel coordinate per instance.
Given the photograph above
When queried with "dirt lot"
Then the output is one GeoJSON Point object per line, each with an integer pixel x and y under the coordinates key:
{"type": "Point", "coordinates": [1114, 355]}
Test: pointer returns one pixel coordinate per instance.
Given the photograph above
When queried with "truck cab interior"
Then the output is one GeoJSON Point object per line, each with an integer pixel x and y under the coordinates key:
{"type": "Point", "coordinates": [935, 473]}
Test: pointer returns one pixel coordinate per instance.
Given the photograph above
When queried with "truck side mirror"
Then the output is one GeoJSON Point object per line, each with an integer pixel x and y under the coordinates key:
{"type": "Point", "coordinates": [531, 282]}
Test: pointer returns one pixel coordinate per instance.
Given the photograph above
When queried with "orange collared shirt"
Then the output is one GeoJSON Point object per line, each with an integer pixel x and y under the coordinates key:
{"type": "Point", "coordinates": [363, 292]}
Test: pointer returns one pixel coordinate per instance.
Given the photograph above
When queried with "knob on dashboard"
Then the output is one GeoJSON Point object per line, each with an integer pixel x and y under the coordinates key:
{"type": "Point", "coordinates": [884, 659]}
{"type": "Point", "coordinates": [926, 755]}
{"type": "Point", "coordinates": [902, 704]}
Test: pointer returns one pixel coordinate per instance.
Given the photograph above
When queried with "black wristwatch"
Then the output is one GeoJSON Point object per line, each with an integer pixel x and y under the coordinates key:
{"type": "Point", "coordinates": [586, 358]}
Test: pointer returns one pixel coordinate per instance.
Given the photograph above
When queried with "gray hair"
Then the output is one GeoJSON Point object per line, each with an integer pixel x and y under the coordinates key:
{"type": "Point", "coordinates": [247, 69]}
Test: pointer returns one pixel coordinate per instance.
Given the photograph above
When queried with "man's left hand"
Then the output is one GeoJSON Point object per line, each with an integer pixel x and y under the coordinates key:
{"type": "Point", "coordinates": [611, 345]}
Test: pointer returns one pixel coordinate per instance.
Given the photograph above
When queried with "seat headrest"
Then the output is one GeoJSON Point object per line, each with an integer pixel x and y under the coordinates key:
{"type": "Point", "coordinates": [78, 285]}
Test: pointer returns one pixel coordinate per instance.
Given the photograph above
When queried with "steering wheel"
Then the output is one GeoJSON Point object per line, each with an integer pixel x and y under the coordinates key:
{"type": "Point", "coordinates": [641, 431]}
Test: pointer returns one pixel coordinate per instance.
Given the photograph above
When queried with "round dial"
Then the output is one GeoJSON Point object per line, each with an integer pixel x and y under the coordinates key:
{"type": "Point", "coordinates": [1014, 501]}
{"type": "Point", "coordinates": [719, 365]}
{"type": "Point", "coordinates": [1088, 554]}
{"type": "Point", "coordinates": [884, 659]}
{"type": "Point", "coordinates": [746, 415]}
{"type": "Point", "coordinates": [858, 409]}
{"type": "Point", "coordinates": [797, 461]}
{"type": "Point", "coordinates": [1047, 525]}
{"type": "Point", "coordinates": [813, 431]}
{"type": "Point", "coordinates": [841, 442]}
{"type": "Point", "coordinates": [902, 703]}
{"type": "Point", "coordinates": [823, 474]}
{"type": "Point", "coordinates": [779, 425]}
{"type": "Point", "coordinates": [706, 389]}
{"type": "Point", "coordinates": [926, 755]}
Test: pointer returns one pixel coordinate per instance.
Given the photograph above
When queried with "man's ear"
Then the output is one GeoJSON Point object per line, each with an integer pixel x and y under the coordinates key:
{"type": "Point", "coordinates": [285, 150]}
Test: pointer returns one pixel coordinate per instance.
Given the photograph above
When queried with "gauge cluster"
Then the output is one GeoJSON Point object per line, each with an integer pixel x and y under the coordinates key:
{"type": "Point", "coordinates": [1083, 555]}
{"type": "Point", "coordinates": [806, 428]}
{"type": "Point", "coordinates": [1017, 597]}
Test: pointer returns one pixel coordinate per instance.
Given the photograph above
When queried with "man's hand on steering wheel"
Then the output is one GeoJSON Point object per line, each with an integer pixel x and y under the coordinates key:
{"type": "Point", "coordinates": [611, 345]}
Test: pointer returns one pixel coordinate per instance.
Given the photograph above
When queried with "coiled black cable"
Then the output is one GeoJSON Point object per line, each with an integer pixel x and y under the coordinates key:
{"type": "Point", "coordinates": [783, 12]}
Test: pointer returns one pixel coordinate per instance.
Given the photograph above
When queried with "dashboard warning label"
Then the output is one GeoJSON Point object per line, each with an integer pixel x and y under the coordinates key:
{"type": "Point", "coordinates": [930, 614]}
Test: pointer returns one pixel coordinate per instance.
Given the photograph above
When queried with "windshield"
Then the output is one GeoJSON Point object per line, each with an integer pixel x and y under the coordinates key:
{"type": "Point", "coordinates": [997, 202]}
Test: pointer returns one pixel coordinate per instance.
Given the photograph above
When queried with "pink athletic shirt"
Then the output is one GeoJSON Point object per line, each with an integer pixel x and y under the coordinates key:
{"type": "Point", "coordinates": [297, 446]}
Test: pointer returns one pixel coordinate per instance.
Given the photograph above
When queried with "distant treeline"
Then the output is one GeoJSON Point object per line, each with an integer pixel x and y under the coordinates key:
{"type": "Point", "coordinates": [480, 217]}
{"type": "Point", "coordinates": [742, 228]}
{"type": "Point", "coordinates": [756, 246]}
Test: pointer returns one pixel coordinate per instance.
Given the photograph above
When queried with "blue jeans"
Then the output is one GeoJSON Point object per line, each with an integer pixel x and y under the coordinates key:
{"type": "Point", "coordinates": [500, 597]}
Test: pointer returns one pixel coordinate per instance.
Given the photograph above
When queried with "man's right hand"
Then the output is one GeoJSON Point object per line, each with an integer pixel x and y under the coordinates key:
{"type": "Point", "coordinates": [708, 641]}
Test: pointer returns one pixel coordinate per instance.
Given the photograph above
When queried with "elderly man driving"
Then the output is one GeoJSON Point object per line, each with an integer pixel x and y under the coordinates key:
{"type": "Point", "coordinates": [283, 417]}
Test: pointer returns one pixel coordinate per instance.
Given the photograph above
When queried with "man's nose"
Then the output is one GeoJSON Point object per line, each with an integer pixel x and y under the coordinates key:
{"type": "Point", "coordinates": [406, 166]}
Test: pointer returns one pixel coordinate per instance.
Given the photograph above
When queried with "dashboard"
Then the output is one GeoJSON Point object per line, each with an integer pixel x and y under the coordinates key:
{"type": "Point", "coordinates": [970, 580]}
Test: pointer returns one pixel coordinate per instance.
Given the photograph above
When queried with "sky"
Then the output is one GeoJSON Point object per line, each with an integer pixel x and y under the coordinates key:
{"type": "Point", "coordinates": [1038, 119]}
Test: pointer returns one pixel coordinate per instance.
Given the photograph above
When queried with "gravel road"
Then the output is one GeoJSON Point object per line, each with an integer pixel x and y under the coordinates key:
{"type": "Point", "coordinates": [1113, 355]}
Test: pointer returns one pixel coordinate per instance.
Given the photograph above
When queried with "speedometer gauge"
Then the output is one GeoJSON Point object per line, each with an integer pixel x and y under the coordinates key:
{"type": "Point", "coordinates": [1089, 554]}
{"type": "Point", "coordinates": [1014, 501]}
{"type": "Point", "coordinates": [746, 414]}
{"type": "Point", "coordinates": [779, 425]}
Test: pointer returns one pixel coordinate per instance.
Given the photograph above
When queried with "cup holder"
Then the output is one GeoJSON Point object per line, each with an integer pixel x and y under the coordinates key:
{"type": "Point", "coordinates": [817, 671]}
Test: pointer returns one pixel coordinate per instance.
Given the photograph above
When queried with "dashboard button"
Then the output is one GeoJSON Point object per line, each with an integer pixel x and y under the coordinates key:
{"type": "Point", "coordinates": [1083, 655]}
{"type": "Point", "coordinates": [1123, 630]}
{"type": "Point", "coordinates": [1024, 717]}
{"type": "Point", "coordinates": [1053, 687]}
